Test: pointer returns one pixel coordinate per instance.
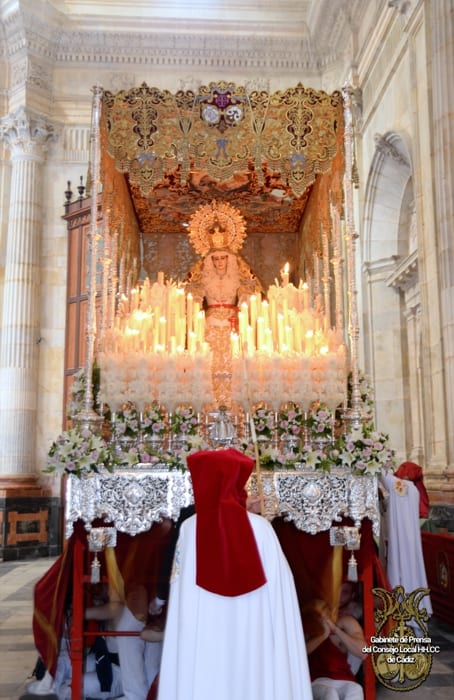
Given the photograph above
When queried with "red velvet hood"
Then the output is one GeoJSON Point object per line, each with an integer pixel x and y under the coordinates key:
{"type": "Point", "coordinates": [228, 561]}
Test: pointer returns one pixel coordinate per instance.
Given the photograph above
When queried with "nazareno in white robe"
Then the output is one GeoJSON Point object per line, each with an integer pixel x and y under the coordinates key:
{"type": "Point", "coordinates": [405, 561]}
{"type": "Point", "coordinates": [247, 647]}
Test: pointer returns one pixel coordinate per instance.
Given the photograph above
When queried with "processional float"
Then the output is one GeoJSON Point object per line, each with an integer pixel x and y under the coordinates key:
{"type": "Point", "coordinates": [291, 357]}
{"type": "Point", "coordinates": [274, 381]}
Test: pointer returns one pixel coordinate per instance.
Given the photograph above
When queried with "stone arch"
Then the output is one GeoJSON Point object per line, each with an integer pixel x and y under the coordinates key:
{"type": "Point", "coordinates": [391, 295]}
{"type": "Point", "coordinates": [390, 173]}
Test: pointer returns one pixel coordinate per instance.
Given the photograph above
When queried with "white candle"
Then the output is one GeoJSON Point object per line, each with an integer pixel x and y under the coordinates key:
{"type": "Point", "coordinates": [285, 310]}
{"type": "Point", "coordinates": [243, 320]}
{"type": "Point", "coordinates": [280, 331]}
{"type": "Point", "coordinates": [200, 326]}
{"type": "Point", "coordinates": [195, 316]}
{"type": "Point", "coordinates": [163, 331]}
{"type": "Point", "coordinates": [157, 316]}
{"type": "Point", "coordinates": [297, 334]}
{"type": "Point", "coordinates": [260, 333]}
{"type": "Point", "coordinates": [273, 317]}
{"type": "Point", "coordinates": [189, 310]}
{"type": "Point", "coordinates": [265, 313]}
{"type": "Point", "coordinates": [181, 302]}
{"type": "Point", "coordinates": [235, 344]}
{"type": "Point", "coordinates": [253, 310]}
{"type": "Point", "coordinates": [192, 342]}
{"type": "Point", "coordinates": [285, 274]}
{"type": "Point", "coordinates": [250, 341]}
{"type": "Point", "coordinates": [269, 341]}
{"type": "Point", "coordinates": [181, 332]}
{"type": "Point", "coordinates": [289, 338]}
{"type": "Point", "coordinates": [168, 302]}
{"type": "Point", "coordinates": [309, 342]}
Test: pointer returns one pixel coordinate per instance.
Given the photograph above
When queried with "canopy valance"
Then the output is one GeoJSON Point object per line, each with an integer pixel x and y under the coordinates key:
{"type": "Point", "coordinates": [223, 130]}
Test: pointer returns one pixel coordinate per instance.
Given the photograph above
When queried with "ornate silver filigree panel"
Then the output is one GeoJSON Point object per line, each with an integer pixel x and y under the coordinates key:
{"type": "Point", "coordinates": [133, 499]}
{"type": "Point", "coordinates": [313, 501]}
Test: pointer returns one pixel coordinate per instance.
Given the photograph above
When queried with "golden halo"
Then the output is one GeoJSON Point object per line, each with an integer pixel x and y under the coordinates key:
{"type": "Point", "coordinates": [216, 225]}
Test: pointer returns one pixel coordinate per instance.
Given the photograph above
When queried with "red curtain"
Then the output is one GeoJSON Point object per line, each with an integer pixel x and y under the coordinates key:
{"type": "Point", "coordinates": [314, 562]}
{"type": "Point", "coordinates": [137, 565]}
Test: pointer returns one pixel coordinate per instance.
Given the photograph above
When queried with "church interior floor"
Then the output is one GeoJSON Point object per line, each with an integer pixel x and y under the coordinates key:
{"type": "Point", "coordinates": [18, 655]}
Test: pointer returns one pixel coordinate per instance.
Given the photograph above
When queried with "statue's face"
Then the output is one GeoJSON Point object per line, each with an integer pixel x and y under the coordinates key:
{"type": "Point", "coordinates": [220, 262]}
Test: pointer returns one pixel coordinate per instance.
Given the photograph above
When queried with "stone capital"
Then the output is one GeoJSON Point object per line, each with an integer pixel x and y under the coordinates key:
{"type": "Point", "coordinates": [27, 134]}
{"type": "Point", "coordinates": [387, 148]}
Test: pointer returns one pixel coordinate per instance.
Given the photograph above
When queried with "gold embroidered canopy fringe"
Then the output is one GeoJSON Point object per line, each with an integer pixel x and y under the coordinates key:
{"type": "Point", "coordinates": [223, 130]}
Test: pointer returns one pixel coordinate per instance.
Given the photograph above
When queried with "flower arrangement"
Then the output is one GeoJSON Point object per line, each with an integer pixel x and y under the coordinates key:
{"type": "Point", "coordinates": [184, 421]}
{"type": "Point", "coordinates": [126, 422]}
{"type": "Point", "coordinates": [153, 421]}
{"type": "Point", "coordinates": [174, 459]}
{"type": "Point", "coordinates": [78, 451]}
{"type": "Point", "coordinates": [362, 450]}
{"type": "Point", "coordinates": [263, 423]}
{"type": "Point", "coordinates": [320, 422]}
{"type": "Point", "coordinates": [290, 420]}
{"type": "Point", "coordinates": [142, 433]}
{"type": "Point", "coordinates": [365, 451]}
{"type": "Point", "coordinates": [194, 443]}
{"type": "Point", "coordinates": [321, 459]}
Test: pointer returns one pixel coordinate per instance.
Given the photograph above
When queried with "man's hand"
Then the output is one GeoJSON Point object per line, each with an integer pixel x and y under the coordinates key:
{"type": "Point", "coordinates": [155, 607]}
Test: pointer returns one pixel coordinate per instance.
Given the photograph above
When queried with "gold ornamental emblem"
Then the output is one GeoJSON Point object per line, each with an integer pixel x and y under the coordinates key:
{"type": "Point", "coordinates": [401, 650]}
{"type": "Point", "coordinates": [216, 226]}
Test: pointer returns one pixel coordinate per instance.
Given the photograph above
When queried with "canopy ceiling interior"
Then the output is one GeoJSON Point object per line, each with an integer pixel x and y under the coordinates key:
{"type": "Point", "coordinates": [276, 157]}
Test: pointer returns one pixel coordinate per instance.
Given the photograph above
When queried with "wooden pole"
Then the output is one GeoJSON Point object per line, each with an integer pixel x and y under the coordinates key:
{"type": "Point", "coordinates": [258, 470]}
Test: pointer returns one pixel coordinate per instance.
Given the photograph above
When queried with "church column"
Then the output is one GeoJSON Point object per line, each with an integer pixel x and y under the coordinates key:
{"type": "Point", "coordinates": [412, 314]}
{"type": "Point", "coordinates": [27, 136]}
{"type": "Point", "coordinates": [442, 33]}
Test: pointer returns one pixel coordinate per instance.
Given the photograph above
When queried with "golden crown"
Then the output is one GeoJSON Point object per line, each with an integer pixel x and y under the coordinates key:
{"type": "Point", "coordinates": [216, 225]}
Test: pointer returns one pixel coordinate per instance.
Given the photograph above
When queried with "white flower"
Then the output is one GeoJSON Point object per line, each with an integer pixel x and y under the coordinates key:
{"type": "Point", "coordinates": [130, 458]}
{"type": "Point", "coordinates": [311, 459]}
{"type": "Point", "coordinates": [78, 451]}
{"type": "Point", "coordinates": [346, 458]}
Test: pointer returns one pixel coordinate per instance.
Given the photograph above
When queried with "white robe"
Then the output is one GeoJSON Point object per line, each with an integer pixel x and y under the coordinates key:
{"type": "Point", "coordinates": [404, 560]}
{"type": "Point", "coordinates": [248, 647]}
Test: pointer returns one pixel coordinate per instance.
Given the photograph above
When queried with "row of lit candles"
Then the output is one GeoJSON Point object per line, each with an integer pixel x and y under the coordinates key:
{"type": "Point", "coordinates": [279, 324]}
